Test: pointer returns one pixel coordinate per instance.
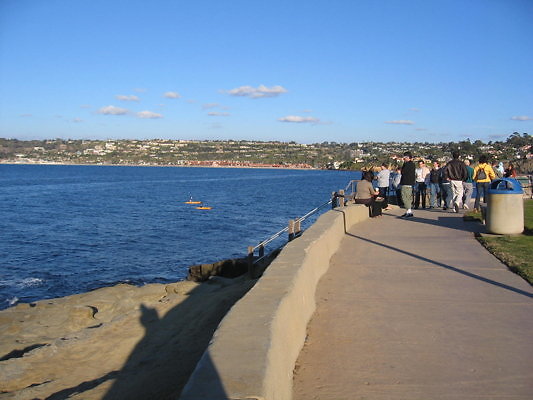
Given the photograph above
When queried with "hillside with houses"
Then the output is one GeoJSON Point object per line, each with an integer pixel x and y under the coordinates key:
{"type": "Point", "coordinates": [516, 148]}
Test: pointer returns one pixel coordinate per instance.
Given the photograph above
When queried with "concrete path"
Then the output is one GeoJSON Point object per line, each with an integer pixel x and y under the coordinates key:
{"type": "Point", "coordinates": [418, 309]}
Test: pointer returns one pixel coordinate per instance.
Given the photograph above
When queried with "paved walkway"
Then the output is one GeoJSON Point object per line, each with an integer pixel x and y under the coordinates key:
{"type": "Point", "coordinates": [417, 309]}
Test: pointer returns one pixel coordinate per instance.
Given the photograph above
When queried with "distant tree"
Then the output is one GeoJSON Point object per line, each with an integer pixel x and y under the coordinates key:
{"type": "Point", "coordinates": [350, 165]}
{"type": "Point", "coordinates": [516, 140]}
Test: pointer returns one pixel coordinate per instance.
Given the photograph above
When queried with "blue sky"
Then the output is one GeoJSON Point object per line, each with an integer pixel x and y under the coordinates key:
{"type": "Point", "coordinates": [308, 71]}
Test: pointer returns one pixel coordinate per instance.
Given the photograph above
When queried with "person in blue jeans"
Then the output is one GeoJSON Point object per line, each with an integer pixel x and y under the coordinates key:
{"type": "Point", "coordinates": [422, 180]}
{"type": "Point", "coordinates": [445, 189]}
{"type": "Point", "coordinates": [433, 186]}
{"type": "Point", "coordinates": [483, 174]}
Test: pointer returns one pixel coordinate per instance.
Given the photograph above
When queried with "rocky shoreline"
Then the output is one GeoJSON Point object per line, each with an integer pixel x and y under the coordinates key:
{"type": "Point", "coordinates": [120, 342]}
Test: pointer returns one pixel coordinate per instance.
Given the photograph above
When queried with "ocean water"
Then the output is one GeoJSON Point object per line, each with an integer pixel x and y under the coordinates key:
{"type": "Point", "coordinates": [71, 229]}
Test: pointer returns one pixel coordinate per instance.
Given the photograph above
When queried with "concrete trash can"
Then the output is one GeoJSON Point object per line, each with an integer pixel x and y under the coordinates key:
{"type": "Point", "coordinates": [505, 207]}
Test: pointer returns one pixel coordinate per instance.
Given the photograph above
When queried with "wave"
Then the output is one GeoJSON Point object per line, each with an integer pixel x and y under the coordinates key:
{"type": "Point", "coordinates": [22, 283]}
{"type": "Point", "coordinates": [31, 282]}
{"type": "Point", "coordinates": [12, 301]}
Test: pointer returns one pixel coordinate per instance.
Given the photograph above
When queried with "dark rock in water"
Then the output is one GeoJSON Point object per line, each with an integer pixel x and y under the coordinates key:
{"type": "Point", "coordinates": [227, 269]}
{"type": "Point", "coordinates": [231, 268]}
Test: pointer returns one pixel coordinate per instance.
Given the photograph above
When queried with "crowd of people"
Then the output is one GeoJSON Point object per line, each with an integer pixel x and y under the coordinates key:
{"type": "Point", "coordinates": [449, 186]}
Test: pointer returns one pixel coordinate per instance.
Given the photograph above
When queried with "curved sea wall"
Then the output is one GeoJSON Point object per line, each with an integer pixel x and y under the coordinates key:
{"type": "Point", "coordinates": [253, 351]}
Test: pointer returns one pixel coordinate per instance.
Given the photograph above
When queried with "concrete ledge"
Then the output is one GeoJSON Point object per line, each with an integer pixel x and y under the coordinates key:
{"type": "Point", "coordinates": [253, 352]}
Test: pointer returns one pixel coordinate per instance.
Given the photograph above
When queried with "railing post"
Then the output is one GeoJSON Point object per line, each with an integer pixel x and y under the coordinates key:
{"type": "Point", "coordinates": [250, 260]}
{"type": "Point", "coordinates": [294, 229]}
{"type": "Point", "coordinates": [297, 228]}
{"type": "Point", "coordinates": [291, 229]}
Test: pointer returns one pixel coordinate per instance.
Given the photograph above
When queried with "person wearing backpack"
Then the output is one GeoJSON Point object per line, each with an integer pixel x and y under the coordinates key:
{"type": "Point", "coordinates": [483, 174]}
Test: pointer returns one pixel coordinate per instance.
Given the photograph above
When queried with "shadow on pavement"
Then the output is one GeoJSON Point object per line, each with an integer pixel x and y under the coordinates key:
{"type": "Point", "coordinates": [448, 267]}
{"type": "Point", "coordinates": [453, 221]}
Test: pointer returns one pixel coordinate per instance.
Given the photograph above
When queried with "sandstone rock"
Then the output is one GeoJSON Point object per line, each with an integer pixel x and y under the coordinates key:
{"type": "Point", "coordinates": [121, 342]}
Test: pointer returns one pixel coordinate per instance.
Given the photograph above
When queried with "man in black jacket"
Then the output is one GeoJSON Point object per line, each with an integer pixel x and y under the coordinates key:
{"type": "Point", "coordinates": [457, 173]}
{"type": "Point", "coordinates": [407, 182]}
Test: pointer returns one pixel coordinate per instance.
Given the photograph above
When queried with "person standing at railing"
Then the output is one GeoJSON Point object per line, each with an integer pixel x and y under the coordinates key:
{"type": "Point", "coordinates": [384, 181]}
{"type": "Point", "coordinates": [395, 185]}
{"type": "Point", "coordinates": [407, 182]}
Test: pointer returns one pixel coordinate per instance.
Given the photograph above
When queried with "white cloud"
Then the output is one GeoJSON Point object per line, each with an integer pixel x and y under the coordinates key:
{"type": "Point", "coordinates": [112, 110]}
{"type": "Point", "coordinates": [299, 119]}
{"type": "Point", "coordinates": [122, 97]}
{"type": "Point", "coordinates": [149, 115]}
{"type": "Point", "coordinates": [218, 114]}
{"type": "Point", "coordinates": [210, 105]}
{"type": "Point", "coordinates": [401, 122]}
{"type": "Point", "coordinates": [258, 92]}
{"type": "Point", "coordinates": [77, 120]}
{"type": "Point", "coordinates": [522, 118]}
{"type": "Point", "coordinates": [414, 109]}
{"type": "Point", "coordinates": [172, 95]}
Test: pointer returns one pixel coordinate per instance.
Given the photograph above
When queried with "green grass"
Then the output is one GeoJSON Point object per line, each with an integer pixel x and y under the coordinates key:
{"type": "Point", "coordinates": [528, 217]}
{"type": "Point", "coordinates": [515, 251]}
{"type": "Point", "coordinates": [473, 216]}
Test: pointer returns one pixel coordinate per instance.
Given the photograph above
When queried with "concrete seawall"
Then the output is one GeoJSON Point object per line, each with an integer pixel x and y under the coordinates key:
{"type": "Point", "coordinates": [253, 352]}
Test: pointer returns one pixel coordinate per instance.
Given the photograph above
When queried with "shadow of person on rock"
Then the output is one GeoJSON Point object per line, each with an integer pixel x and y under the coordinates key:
{"type": "Point", "coordinates": [162, 361]}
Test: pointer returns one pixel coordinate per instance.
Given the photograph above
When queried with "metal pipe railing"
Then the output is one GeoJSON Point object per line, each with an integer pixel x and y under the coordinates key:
{"type": "Point", "coordinates": [293, 229]}
{"type": "Point", "coordinates": [351, 186]}
{"type": "Point", "coordinates": [270, 239]}
{"type": "Point", "coordinates": [314, 210]}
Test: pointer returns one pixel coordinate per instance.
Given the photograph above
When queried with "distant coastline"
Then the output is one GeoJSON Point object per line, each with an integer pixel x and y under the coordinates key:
{"type": "Point", "coordinates": [254, 154]}
{"type": "Point", "coordinates": [199, 164]}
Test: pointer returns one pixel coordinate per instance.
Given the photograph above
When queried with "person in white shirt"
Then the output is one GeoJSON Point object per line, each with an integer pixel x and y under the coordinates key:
{"type": "Point", "coordinates": [422, 178]}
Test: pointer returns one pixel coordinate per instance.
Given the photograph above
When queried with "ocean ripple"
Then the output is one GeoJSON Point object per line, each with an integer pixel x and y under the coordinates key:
{"type": "Point", "coordinates": [76, 228]}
